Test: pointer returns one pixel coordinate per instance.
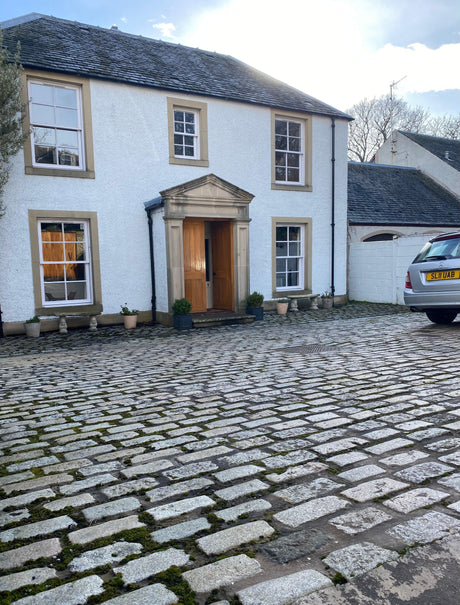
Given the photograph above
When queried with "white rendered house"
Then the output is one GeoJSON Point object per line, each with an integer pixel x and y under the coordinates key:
{"type": "Point", "coordinates": [155, 171]}
{"type": "Point", "coordinates": [437, 157]}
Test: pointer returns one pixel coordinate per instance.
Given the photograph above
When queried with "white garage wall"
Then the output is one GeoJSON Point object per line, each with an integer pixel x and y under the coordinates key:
{"type": "Point", "coordinates": [377, 270]}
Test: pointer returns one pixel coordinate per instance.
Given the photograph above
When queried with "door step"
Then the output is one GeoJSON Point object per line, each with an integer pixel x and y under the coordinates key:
{"type": "Point", "coordinates": [206, 320]}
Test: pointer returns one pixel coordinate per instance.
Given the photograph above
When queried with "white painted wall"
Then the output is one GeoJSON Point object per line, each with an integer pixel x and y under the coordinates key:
{"type": "Point", "coordinates": [377, 270]}
{"type": "Point", "coordinates": [399, 150]}
{"type": "Point", "coordinates": [130, 135]}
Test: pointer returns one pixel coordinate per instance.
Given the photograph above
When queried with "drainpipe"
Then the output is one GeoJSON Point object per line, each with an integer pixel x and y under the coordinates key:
{"type": "Point", "coordinates": [333, 208]}
{"type": "Point", "coordinates": [152, 266]}
{"type": "Point", "coordinates": [1, 323]}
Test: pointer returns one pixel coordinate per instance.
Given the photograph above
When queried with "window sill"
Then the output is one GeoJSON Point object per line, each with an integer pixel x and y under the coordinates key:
{"type": "Point", "coordinates": [94, 309]}
{"type": "Point", "coordinates": [286, 187]}
{"type": "Point", "coordinates": [287, 293]}
{"type": "Point", "coordinates": [186, 162]}
{"type": "Point", "coordinates": [78, 174]}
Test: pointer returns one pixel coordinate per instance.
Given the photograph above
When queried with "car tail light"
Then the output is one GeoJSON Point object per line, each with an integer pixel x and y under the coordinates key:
{"type": "Point", "coordinates": [408, 283]}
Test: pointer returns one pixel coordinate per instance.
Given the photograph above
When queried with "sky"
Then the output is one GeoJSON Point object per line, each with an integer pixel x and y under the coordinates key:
{"type": "Point", "coordinates": [339, 51]}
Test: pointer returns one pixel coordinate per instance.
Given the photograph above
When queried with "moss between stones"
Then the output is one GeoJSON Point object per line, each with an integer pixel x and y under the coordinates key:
{"type": "Point", "coordinates": [173, 580]}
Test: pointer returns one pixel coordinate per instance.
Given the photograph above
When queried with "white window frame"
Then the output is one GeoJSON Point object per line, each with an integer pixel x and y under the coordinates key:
{"type": "Point", "coordinates": [301, 258]}
{"type": "Point", "coordinates": [195, 135]}
{"type": "Point", "coordinates": [300, 154]}
{"type": "Point", "coordinates": [78, 129]}
{"type": "Point", "coordinates": [87, 263]}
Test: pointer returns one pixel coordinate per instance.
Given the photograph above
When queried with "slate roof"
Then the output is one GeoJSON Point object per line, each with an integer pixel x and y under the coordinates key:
{"type": "Point", "coordinates": [70, 47]}
{"type": "Point", "coordinates": [396, 195]}
{"type": "Point", "coordinates": [438, 147]}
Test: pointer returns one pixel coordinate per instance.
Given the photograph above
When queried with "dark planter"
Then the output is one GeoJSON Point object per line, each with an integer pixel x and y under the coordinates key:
{"type": "Point", "coordinates": [183, 322]}
{"type": "Point", "coordinates": [257, 311]}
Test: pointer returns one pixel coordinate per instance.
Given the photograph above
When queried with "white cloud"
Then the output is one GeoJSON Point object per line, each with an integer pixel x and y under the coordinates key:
{"type": "Point", "coordinates": [165, 29]}
{"type": "Point", "coordinates": [326, 48]}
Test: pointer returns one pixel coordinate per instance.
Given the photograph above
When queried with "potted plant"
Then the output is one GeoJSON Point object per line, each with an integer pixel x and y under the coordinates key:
{"type": "Point", "coordinates": [254, 305]}
{"type": "Point", "coordinates": [32, 327]}
{"type": "Point", "coordinates": [182, 318]}
{"type": "Point", "coordinates": [129, 316]}
{"type": "Point", "coordinates": [282, 305]}
{"type": "Point", "coordinates": [326, 300]}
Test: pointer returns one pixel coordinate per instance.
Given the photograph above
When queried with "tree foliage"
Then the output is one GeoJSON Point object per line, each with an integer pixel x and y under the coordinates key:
{"type": "Point", "coordinates": [374, 120]}
{"type": "Point", "coordinates": [11, 133]}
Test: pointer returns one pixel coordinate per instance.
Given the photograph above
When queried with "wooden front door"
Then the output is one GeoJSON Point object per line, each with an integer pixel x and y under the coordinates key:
{"type": "Point", "coordinates": [222, 265]}
{"type": "Point", "coordinates": [194, 264]}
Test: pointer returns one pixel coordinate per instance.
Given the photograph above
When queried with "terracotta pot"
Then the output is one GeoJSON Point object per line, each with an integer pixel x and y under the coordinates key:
{"type": "Point", "coordinates": [326, 303]}
{"type": "Point", "coordinates": [282, 307]}
{"type": "Point", "coordinates": [130, 321]}
{"type": "Point", "coordinates": [32, 329]}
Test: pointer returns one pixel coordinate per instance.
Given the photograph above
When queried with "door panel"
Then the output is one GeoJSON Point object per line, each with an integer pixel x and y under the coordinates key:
{"type": "Point", "coordinates": [194, 264]}
{"type": "Point", "coordinates": [222, 265]}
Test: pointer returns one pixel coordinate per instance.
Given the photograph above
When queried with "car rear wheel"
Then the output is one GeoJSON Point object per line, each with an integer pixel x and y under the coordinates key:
{"type": "Point", "coordinates": [441, 316]}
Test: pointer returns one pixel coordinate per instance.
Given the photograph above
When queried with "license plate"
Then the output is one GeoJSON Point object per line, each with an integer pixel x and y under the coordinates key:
{"type": "Point", "coordinates": [439, 275]}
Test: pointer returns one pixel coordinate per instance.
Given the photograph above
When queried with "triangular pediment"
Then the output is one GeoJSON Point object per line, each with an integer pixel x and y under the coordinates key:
{"type": "Point", "coordinates": [209, 188]}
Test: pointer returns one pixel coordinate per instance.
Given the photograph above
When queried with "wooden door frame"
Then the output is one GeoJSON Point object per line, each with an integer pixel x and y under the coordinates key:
{"type": "Point", "coordinates": [211, 199]}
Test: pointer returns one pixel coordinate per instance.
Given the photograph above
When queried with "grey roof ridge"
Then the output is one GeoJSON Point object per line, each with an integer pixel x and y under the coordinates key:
{"type": "Point", "coordinates": [431, 136]}
{"type": "Point", "coordinates": [22, 19]}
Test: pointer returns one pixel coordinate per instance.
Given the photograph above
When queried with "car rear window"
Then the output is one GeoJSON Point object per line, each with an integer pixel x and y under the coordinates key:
{"type": "Point", "coordinates": [439, 250]}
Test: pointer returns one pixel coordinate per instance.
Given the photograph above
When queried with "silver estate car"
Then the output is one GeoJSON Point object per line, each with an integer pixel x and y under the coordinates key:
{"type": "Point", "coordinates": [433, 279]}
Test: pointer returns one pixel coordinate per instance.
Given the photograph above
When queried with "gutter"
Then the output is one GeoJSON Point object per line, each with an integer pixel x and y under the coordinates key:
{"type": "Point", "coordinates": [152, 266]}
{"type": "Point", "coordinates": [332, 208]}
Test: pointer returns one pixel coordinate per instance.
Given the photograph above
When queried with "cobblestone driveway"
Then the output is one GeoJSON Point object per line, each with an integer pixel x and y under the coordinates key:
{"type": "Point", "coordinates": [256, 462]}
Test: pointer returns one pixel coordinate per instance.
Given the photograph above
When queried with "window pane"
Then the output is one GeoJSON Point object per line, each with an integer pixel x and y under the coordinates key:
{"type": "Point", "coordinates": [281, 234]}
{"type": "Point", "coordinates": [293, 175]}
{"type": "Point", "coordinates": [280, 127]}
{"type": "Point", "coordinates": [294, 234]}
{"type": "Point", "coordinates": [189, 117]}
{"type": "Point", "coordinates": [281, 280]}
{"type": "Point", "coordinates": [281, 249]}
{"type": "Point", "coordinates": [189, 152]}
{"type": "Point", "coordinates": [75, 272]}
{"type": "Point", "coordinates": [280, 174]}
{"type": "Point", "coordinates": [294, 249]}
{"type": "Point", "coordinates": [53, 252]}
{"type": "Point", "coordinates": [280, 159]}
{"type": "Point", "coordinates": [66, 117]}
{"type": "Point", "coordinates": [76, 291]}
{"type": "Point", "coordinates": [178, 127]}
{"type": "Point", "coordinates": [190, 128]}
{"type": "Point", "coordinates": [293, 160]}
{"type": "Point", "coordinates": [66, 97]}
{"type": "Point", "coordinates": [45, 155]}
{"type": "Point", "coordinates": [54, 292]}
{"type": "Point", "coordinates": [178, 150]}
{"type": "Point", "coordinates": [294, 144]}
{"type": "Point", "coordinates": [51, 228]}
{"type": "Point", "coordinates": [68, 158]}
{"type": "Point", "coordinates": [293, 279]}
{"type": "Point", "coordinates": [280, 265]}
{"type": "Point", "coordinates": [44, 136]}
{"type": "Point", "coordinates": [179, 116]}
{"type": "Point", "coordinates": [53, 272]}
{"type": "Point", "coordinates": [280, 142]}
{"type": "Point", "coordinates": [41, 93]}
{"type": "Point", "coordinates": [66, 138]}
{"type": "Point", "coordinates": [292, 264]}
{"type": "Point", "coordinates": [42, 114]}
{"type": "Point", "coordinates": [188, 141]}
{"type": "Point", "coordinates": [294, 129]}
